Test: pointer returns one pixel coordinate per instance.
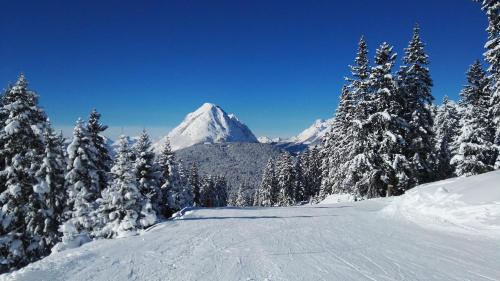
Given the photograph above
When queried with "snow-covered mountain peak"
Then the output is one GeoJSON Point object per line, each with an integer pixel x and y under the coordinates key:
{"type": "Point", "coordinates": [313, 134]}
{"type": "Point", "coordinates": [208, 124]}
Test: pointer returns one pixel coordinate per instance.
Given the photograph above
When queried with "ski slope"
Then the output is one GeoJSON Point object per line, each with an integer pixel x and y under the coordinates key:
{"type": "Point", "coordinates": [448, 230]}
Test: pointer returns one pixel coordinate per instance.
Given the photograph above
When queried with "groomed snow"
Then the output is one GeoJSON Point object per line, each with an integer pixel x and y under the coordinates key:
{"type": "Point", "coordinates": [413, 237]}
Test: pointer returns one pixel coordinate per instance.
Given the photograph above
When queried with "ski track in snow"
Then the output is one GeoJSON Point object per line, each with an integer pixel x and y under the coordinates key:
{"type": "Point", "coordinates": [344, 241]}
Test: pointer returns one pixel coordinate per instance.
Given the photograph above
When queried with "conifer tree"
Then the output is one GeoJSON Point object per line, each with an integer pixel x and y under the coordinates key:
{"type": "Point", "coordinates": [346, 146]}
{"type": "Point", "coordinates": [244, 198]}
{"type": "Point", "coordinates": [146, 172]}
{"type": "Point", "coordinates": [194, 181]}
{"type": "Point", "coordinates": [213, 192]}
{"type": "Point", "coordinates": [446, 128]}
{"type": "Point", "coordinates": [415, 85]}
{"type": "Point", "coordinates": [165, 162]}
{"type": "Point", "coordinates": [50, 184]}
{"type": "Point", "coordinates": [221, 188]}
{"type": "Point", "coordinates": [492, 56]}
{"type": "Point", "coordinates": [98, 150]}
{"type": "Point", "coordinates": [386, 129]}
{"type": "Point", "coordinates": [24, 214]}
{"type": "Point", "coordinates": [207, 192]}
{"type": "Point", "coordinates": [83, 190]}
{"type": "Point", "coordinates": [313, 173]}
{"type": "Point", "coordinates": [476, 153]}
{"type": "Point", "coordinates": [179, 191]}
{"type": "Point", "coordinates": [285, 180]}
{"type": "Point", "coordinates": [122, 202]}
{"type": "Point", "coordinates": [267, 192]}
{"type": "Point", "coordinates": [300, 167]}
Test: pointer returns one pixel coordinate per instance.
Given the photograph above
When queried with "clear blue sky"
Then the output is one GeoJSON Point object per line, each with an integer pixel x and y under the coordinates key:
{"type": "Point", "coordinates": [277, 64]}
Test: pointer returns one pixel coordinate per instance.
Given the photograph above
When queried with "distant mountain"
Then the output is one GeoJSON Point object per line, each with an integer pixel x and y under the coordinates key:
{"type": "Point", "coordinates": [314, 134]}
{"type": "Point", "coordinates": [311, 136]}
{"type": "Point", "coordinates": [208, 124]}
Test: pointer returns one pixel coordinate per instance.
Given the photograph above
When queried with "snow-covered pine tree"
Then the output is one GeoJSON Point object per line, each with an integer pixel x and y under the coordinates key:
{"type": "Point", "coordinates": [122, 202]}
{"type": "Point", "coordinates": [266, 195]}
{"type": "Point", "coordinates": [313, 173]}
{"type": "Point", "coordinates": [23, 216]}
{"type": "Point", "coordinates": [207, 191]}
{"type": "Point", "coordinates": [221, 190]}
{"type": "Point", "coordinates": [345, 165]}
{"type": "Point", "coordinates": [476, 153]}
{"type": "Point", "coordinates": [165, 163]}
{"type": "Point", "coordinates": [83, 190]}
{"type": "Point", "coordinates": [300, 167]}
{"type": "Point", "coordinates": [194, 181]}
{"type": "Point", "coordinates": [386, 129]}
{"type": "Point", "coordinates": [285, 180]}
{"type": "Point", "coordinates": [50, 184]}
{"type": "Point", "coordinates": [214, 192]}
{"type": "Point", "coordinates": [415, 85]}
{"type": "Point", "coordinates": [492, 56]}
{"type": "Point", "coordinates": [232, 196]}
{"type": "Point", "coordinates": [244, 198]}
{"type": "Point", "coordinates": [446, 128]}
{"type": "Point", "coordinates": [146, 173]}
{"type": "Point", "coordinates": [98, 150]}
{"type": "Point", "coordinates": [179, 191]}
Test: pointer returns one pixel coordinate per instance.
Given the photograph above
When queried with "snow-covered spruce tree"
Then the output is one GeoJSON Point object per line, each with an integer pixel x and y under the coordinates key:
{"type": "Point", "coordinates": [300, 167]}
{"type": "Point", "coordinates": [83, 190]}
{"type": "Point", "coordinates": [232, 197]}
{"type": "Point", "coordinates": [179, 191]}
{"type": "Point", "coordinates": [194, 181]}
{"type": "Point", "coordinates": [415, 85]}
{"type": "Point", "coordinates": [341, 139]}
{"type": "Point", "coordinates": [165, 162]}
{"type": "Point", "coordinates": [147, 174]}
{"type": "Point", "coordinates": [335, 146]}
{"type": "Point", "coordinates": [446, 128]}
{"type": "Point", "coordinates": [492, 56]}
{"type": "Point", "coordinates": [312, 173]}
{"type": "Point", "coordinates": [50, 184]}
{"type": "Point", "coordinates": [24, 214]}
{"type": "Point", "coordinates": [285, 180]}
{"type": "Point", "coordinates": [122, 203]}
{"type": "Point", "coordinates": [98, 150]}
{"type": "Point", "coordinates": [476, 154]}
{"type": "Point", "coordinates": [207, 192]}
{"type": "Point", "coordinates": [245, 196]}
{"type": "Point", "coordinates": [213, 192]}
{"type": "Point", "coordinates": [346, 166]}
{"type": "Point", "coordinates": [221, 190]}
{"type": "Point", "coordinates": [266, 195]}
{"type": "Point", "coordinates": [386, 129]}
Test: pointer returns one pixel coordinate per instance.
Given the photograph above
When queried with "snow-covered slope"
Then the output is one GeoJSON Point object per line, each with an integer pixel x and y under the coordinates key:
{"type": "Point", "coordinates": [208, 124]}
{"type": "Point", "coordinates": [412, 237]}
{"type": "Point", "coordinates": [313, 134]}
{"type": "Point", "coordinates": [469, 205]}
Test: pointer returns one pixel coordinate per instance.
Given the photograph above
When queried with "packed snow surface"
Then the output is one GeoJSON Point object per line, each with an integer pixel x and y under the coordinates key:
{"type": "Point", "coordinates": [447, 230]}
{"type": "Point", "coordinates": [208, 124]}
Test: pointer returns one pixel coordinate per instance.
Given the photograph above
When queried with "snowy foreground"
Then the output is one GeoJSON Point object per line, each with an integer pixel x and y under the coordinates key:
{"type": "Point", "coordinates": [449, 230]}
